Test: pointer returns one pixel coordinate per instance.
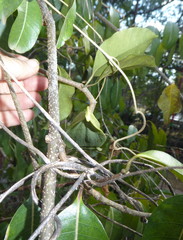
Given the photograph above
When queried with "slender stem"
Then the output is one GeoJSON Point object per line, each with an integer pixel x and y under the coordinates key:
{"type": "Point", "coordinates": [107, 22]}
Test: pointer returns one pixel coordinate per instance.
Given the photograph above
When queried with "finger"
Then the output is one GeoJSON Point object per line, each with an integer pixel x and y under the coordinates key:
{"type": "Point", "coordinates": [10, 118]}
{"type": "Point", "coordinates": [6, 102]}
{"type": "Point", "coordinates": [19, 68]}
{"type": "Point", "coordinates": [33, 84]}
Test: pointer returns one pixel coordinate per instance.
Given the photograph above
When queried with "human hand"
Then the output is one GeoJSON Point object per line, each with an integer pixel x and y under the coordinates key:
{"type": "Point", "coordinates": [25, 71]}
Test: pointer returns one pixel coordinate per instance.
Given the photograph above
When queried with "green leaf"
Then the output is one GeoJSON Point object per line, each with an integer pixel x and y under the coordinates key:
{"type": "Point", "coordinates": [85, 136]}
{"type": "Point", "coordinates": [80, 223]}
{"type": "Point", "coordinates": [26, 27]}
{"type": "Point", "coordinates": [170, 102]}
{"type": "Point", "coordinates": [164, 159]}
{"type": "Point", "coordinates": [67, 28]}
{"type": "Point", "coordinates": [116, 92]}
{"type": "Point", "coordinates": [166, 221]}
{"type": "Point", "coordinates": [24, 222]}
{"type": "Point", "coordinates": [159, 54]}
{"type": "Point", "coordinates": [154, 47]}
{"type": "Point", "coordinates": [4, 32]}
{"type": "Point", "coordinates": [106, 94]}
{"type": "Point", "coordinates": [85, 9]}
{"type": "Point", "coordinates": [86, 42]}
{"type": "Point", "coordinates": [65, 100]}
{"type": "Point", "coordinates": [170, 35]}
{"type": "Point", "coordinates": [181, 46]}
{"type": "Point", "coordinates": [114, 17]}
{"type": "Point", "coordinates": [170, 55]}
{"type": "Point", "coordinates": [131, 129]}
{"type": "Point", "coordinates": [65, 96]}
{"type": "Point", "coordinates": [129, 47]}
{"type": "Point", "coordinates": [114, 231]}
{"type": "Point", "coordinates": [7, 7]}
{"type": "Point", "coordinates": [156, 137]}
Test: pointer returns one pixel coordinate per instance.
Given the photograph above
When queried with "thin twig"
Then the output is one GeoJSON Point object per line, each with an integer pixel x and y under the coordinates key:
{"type": "Point", "coordinates": [138, 191]}
{"type": "Point", "coordinates": [115, 222]}
{"type": "Point", "coordinates": [163, 75]}
{"type": "Point", "coordinates": [79, 86]}
{"type": "Point", "coordinates": [122, 176]}
{"type": "Point", "coordinates": [14, 187]}
{"type": "Point", "coordinates": [98, 196]}
{"type": "Point", "coordinates": [108, 23]}
{"type": "Point", "coordinates": [23, 123]}
{"type": "Point", "coordinates": [32, 148]}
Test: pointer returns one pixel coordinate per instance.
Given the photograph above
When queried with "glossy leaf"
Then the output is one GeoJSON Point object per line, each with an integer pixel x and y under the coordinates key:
{"type": "Point", "coordinates": [166, 221]}
{"type": "Point", "coordinates": [65, 96]}
{"type": "Point", "coordinates": [24, 221]}
{"type": "Point", "coordinates": [130, 45]}
{"type": "Point", "coordinates": [67, 28]}
{"type": "Point", "coordinates": [80, 223]}
{"type": "Point", "coordinates": [164, 159]}
{"type": "Point", "coordinates": [26, 27]}
{"type": "Point", "coordinates": [170, 35]}
{"type": "Point", "coordinates": [170, 102]}
{"type": "Point", "coordinates": [7, 7]}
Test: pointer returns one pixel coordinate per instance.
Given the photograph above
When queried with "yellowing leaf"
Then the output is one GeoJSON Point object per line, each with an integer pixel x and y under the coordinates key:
{"type": "Point", "coordinates": [91, 118]}
{"type": "Point", "coordinates": [169, 102]}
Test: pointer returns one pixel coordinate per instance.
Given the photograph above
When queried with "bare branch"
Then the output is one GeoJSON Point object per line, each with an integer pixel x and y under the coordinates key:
{"type": "Point", "coordinates": [120, 207]}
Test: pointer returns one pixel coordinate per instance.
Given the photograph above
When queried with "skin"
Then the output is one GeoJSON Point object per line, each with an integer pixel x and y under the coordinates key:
{"type": "Point", "coordinates": [26, 71]}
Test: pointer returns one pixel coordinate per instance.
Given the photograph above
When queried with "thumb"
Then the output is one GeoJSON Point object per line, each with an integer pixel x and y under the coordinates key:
{"type": "Point", "coordinates": [20, 68]}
